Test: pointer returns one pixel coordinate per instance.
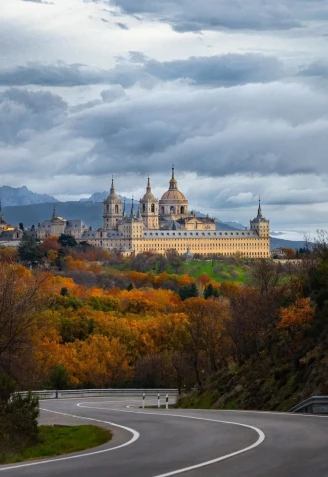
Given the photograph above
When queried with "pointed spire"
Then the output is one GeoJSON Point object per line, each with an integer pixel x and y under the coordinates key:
{"type": "Point", "coordinates": [112, 188]}
{"type": "Point", "coordinates": [259, 210]}
{"type": "Point", "coordinates": [148, 185]}
{"type": "Point", "coordinates": [139, 213]}
{"type": "Point", "coordinates": [54, 215]}
{"type": "Point", "coordinates": [124, 213]}
{"type": "Point", "coordinates": [132, 210]}
{"type": "Point", "coordinates": [173, 182]}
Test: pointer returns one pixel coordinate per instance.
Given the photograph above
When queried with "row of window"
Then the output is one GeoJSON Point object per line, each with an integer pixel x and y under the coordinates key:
{"type": "Point", "coordinates": [198, 233]}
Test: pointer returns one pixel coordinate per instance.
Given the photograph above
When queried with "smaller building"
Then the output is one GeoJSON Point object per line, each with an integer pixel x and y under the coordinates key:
{"type": "Point", "coordinates": [8, 233]}
{"type": "Point", "coordinates": [58, 225]}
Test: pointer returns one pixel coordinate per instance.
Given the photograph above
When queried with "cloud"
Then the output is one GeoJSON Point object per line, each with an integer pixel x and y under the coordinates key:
{"type": "Point", "coordinates": [25, 113]}
{"type": "Point", "coordinates": [261, 15]}
{"type": "Point", "coordinates": [123, 26]}
{"type": "Point", "coordinates": [43, 2]}
{"type": "Point", "coordinates": [211, 132]}
{"type": "Point", "coordinates": [218, 70]}
{"type": "Point", "coordinates": [317, 68]}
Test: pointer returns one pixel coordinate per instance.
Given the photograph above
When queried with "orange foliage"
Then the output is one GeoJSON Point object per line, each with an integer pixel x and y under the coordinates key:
{"type": "Point", "coordinates": [299, 313]}
{"type": "Point", "coordinates": [50, 243]}
{"type": "Point", "coordinates": [8, 254]}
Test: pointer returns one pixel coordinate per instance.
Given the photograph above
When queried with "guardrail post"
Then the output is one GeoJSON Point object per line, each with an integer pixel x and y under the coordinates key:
{"type": "Point", "coordinates": [158, 400]}
{"type": "Point", "coordinates": [143, 400]}
{"type": "Point", "coordinates": [167, 401]}
{"type": "Point", "coordinates": [56, 394]}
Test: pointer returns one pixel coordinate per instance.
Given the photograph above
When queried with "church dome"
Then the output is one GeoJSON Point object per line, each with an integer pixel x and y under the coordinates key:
{"type": "Point", "coordinates": [173, 194]}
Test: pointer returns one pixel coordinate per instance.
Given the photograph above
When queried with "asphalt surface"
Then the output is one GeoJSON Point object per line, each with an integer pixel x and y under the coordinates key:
{"type": "Point", "coordinates": [166, 442]}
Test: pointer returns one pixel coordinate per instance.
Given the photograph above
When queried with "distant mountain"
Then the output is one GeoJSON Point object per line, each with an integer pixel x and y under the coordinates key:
{"type": "Point", "coordinates": [236, 225]}
{"type": "Point", "coordinates": [89, 212]}
{"type": "Point", "coordinates": [96, 197]}
{"type": "Point", "coordinates": [12, 196]}
{"type": "Point", "coordinates": [282, 243]}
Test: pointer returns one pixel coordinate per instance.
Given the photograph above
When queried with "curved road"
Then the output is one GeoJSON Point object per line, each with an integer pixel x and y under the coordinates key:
{"type": "Point", "coordinates": [160, 443]}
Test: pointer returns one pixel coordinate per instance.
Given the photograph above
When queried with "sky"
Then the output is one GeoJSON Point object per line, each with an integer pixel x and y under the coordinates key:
{"type": "Point", "coordinates": [232, 92]}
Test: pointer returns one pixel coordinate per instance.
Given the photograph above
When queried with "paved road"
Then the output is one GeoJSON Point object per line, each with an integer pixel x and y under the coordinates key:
{"type": "Point", "coordinates": [158, 443]}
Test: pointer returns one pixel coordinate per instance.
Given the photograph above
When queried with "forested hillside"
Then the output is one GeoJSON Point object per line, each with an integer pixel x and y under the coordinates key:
{"type": "Point", "coordinates": [83, 317]}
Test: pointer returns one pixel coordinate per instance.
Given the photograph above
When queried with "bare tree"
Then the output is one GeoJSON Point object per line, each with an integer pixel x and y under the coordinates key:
{"type": "Point", "coordinates": [20, 303]}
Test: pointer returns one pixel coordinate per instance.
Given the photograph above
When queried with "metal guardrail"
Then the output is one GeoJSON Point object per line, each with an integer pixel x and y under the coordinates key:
{"type": "Point", "coordinates": [82, 393]}
{"type": "Point", "coordinates": [312, 405]}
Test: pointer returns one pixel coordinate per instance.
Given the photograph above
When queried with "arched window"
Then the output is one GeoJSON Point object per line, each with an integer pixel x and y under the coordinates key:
{"type": "Point", "coordinates": [116, 209]}
{"type": "Point", "coordinates": [172, 209]}
{"type": "Point", "coordinates": [182, 210]}
{"type": "Point", "coordinates": [144, 207]}
{"type": "Point", "coordinates": [163, 210]}
{"type": "Point", "coordinates": [153, 207]}
{"type": "Point", "coordinates": [101, 234]}
{"type": "Point", "coordinates": [107, 209]}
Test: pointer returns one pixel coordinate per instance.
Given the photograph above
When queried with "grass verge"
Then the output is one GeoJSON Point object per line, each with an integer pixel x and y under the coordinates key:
{"type": "Point", "coordinates": [58, 440]}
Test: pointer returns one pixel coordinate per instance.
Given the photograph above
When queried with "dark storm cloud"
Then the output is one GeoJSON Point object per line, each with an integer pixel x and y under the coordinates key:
{"type": "Point", "coordinates": [220, 70]}
{"type": "Point", "coordinates": [25, 113]}
{"type": "Point", "coordinates": [211, 132]}
{"type": "Point", "coordinates": [191, 15]}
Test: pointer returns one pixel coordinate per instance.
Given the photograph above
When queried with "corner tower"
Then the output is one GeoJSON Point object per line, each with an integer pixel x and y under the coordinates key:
{"type": "Point", "coordinates": [149, 209]}
{"type": "Point", "coordinates": [260, 224]}
{"type": "Point", "coordinates": [112, 209]}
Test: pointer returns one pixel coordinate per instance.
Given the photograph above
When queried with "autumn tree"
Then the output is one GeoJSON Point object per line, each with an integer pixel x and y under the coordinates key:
{"type": "Point", "coordinates": [205, 324]}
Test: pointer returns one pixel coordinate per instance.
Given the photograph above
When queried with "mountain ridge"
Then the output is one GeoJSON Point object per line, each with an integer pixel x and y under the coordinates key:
{"type": "Point", "coordinates": [19, 196]}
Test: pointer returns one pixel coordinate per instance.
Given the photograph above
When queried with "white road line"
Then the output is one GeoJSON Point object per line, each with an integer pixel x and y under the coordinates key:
{"type": "Point", "coordinates": [135, 434]}
{"type": "Point", "coordinates": [203, 464]}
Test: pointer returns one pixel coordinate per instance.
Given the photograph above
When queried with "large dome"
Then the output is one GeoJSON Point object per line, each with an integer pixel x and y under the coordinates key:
{"type": "Point", "coordinates": [173, 194]}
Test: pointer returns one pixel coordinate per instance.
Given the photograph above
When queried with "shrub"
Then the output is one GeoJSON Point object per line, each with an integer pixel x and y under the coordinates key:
{"type": "Point", "coordinates": [18, 418]}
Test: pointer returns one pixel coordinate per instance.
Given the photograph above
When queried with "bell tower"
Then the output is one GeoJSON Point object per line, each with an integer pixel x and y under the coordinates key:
{"type": "Point", "coordinates": [112, 209]}
{"type": "Point", "coordinates": [149, 209]}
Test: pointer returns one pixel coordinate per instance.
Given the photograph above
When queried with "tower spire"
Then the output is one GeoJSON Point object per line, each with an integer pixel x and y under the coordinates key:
{"type": "Point", "coordinates": [173, 182]}
{"type": "Point", "coordinates": [148, 185]}
{"type": "Point", "coordinates": [259, 210]}
{"type": "Point", "coordinates": [139, 213]}
{"type": "Point", "coordinates": [54, 215]}
{"type": "Point", "coordinates": [124, 213]}
{"type": "Point", "coordinates": [132, 210]}
{"type": "Point", "coordinates": [112, 188]}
